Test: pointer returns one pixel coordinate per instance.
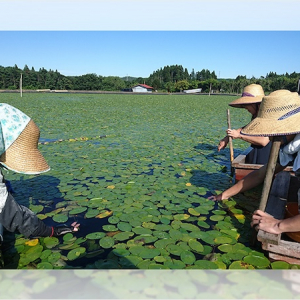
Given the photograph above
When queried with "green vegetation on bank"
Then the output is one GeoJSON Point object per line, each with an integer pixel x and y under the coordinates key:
{"type": "Point", "coordinates": [173, 78]}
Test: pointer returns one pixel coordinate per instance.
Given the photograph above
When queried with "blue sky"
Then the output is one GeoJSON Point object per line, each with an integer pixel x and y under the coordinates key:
{"type": "Point", "coordinates": [137, 37]}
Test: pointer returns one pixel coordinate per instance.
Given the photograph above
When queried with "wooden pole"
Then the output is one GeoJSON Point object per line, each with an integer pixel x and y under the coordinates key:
{"type": "Point", "coordinates": [21, 83]}
{"type": "Point", "coordinates": [270, 172]}
{"type": "Point", "coordinates": [268, 180]}
{"type": "Point", "coordinates": [230, 138]}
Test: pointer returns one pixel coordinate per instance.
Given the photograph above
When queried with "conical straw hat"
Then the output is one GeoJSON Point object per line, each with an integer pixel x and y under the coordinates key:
{"type": "Point", "coordinates": [252, 93]}
{"type": "Point", "coordinates": [19, 138]}
{"type": "Point", "coordinates": [279, 114]}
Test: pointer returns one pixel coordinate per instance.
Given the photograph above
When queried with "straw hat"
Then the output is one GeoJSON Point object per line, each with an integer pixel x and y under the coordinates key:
{"type": "Point", "coordinates": [19, 138]}
{"type": "Point", "coordinates": [252, 93]}
{"type": "Point", "coordinates": [279, 114]}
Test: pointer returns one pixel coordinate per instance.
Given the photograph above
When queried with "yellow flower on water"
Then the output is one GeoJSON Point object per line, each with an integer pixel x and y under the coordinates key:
{"type": "Point", "coordinates": [188, 184]}
{"type": "Point", "coordinates": [111, 187]}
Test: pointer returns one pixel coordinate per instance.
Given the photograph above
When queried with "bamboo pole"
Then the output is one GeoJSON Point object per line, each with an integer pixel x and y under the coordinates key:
{"type": "Point", "coordinates": [230, 138]}
{"type": "Point", "coordinates": [268, 180]}
{"type": "Point", "coordinates": [270, 172]}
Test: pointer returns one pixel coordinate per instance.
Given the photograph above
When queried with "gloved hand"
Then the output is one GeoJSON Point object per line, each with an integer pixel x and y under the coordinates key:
{"type": "Point", "coordinates": [63, 229]}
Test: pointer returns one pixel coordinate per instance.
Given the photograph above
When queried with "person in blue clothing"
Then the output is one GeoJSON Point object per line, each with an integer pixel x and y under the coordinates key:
{"type": "Point", "coordinates": [19, 152]}
{"type": "Point", "coordinates": [251, 98]}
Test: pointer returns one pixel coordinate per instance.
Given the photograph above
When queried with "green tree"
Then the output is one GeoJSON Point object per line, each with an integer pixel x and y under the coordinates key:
{"type": "Point", "coordinates": [181, 85]}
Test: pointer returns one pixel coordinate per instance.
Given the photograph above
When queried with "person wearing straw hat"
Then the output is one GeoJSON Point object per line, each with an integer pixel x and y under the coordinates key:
{"type": "Point", "coordinates": [251, 98]}
{"type": "Point", "coordinates": [277, 111]}
{"type": "Point", "coordinates": [279, 116]}
{"type": "Point", "coordinates": [19, 152]}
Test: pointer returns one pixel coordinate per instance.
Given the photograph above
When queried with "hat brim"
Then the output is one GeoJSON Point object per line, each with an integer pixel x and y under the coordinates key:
{"type": "Point", "coordinates": [28, 162]}
{"type": "Point", "coordinates": [268, 127]}
{"type": "Point", "coordinates": [23, 155]}
{"type": "Point", "coordinates": [238, 103]}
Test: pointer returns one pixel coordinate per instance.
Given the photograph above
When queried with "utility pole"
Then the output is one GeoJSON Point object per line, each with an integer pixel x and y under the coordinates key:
{"type": "Point", "coordinates": [21, 85]}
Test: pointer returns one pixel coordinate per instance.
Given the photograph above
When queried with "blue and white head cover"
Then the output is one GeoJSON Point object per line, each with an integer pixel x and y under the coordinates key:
{"type": "Point", "coordinates": [19, 138]}
{"type": "Point", "coordinates": [12, 123]}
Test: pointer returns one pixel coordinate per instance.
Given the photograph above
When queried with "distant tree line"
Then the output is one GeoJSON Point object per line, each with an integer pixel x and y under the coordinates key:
{"type": "Point", "coordinates": [173, 78]}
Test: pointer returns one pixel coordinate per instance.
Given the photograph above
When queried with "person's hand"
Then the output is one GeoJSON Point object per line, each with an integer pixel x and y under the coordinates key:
{"type": "Point", "coordinates": [222, 145]}
{"type": "Point", "coordinates": [63, 229]}
{"type": "Point", "coordinates": [235, 134]}
{"type": "Point", "coordinates": [264, 221]}
{"type": "Point", "coordinates": [215, 197]}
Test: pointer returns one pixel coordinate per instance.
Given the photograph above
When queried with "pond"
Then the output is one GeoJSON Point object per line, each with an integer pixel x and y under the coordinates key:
{"type": "Point", "coordinates": [135, 171]}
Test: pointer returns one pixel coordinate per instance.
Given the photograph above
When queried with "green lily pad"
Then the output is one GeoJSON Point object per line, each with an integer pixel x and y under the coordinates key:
{"type": "Point", "coordinates": [216, 218]}
{"type": "Point", "coordinates": [280, 265]}
{"type": "Point", "coordinates": [189, 227]}
{"type": "Point", "coordinates": [44, 266]}
{"type": "Point", "coordinates": [109, 228]}
{"type": "Point", "coordinates": [203, 224]}
{"type": "Point", "coordinates": [107, 242]}
{"type": "Point", "coordinates": [121, 252]}
{"type": "Point", "coordinates": [33, 253]}
{"type": "Point", "coordinates": [123, 226]}
{"type": "Point", "coordinates": [188, 257]}
{"type": "Point", "coordinates": [60, 218]}
{"type": "Point", "coordinates": [225, 248]}
{"type": "Point", "coordinates": [241, 265]}
{"type": "Point", "coordinates": [149, 253]}
{"type": "Point", "coordinates": [95, 235]}
{"type": "Point", "coordinates": [175, 264]}
{"type": "Point", "coordinates": [77, 210]}
{"type": "Point", "coordinates": [54, 257]}
{"type": "Point", "coordinates": [174, 249]}
{"type": "Point", "coordinates": [196, 246]}
{"type": "Point", "coordinates": [206, 264]}
{"type": "Point", "coordinates": [76, 253]}
{"type": "Point", "coordinates": [223, 240]}
{"type": "Point", "coordinates": [122, 236]}
{"type": "Point", "coordinates": [257, 261]}
{"type": "Point", "coordinates": [113, 220]}
{"type": "Point", "coordinates": [175, 234]}
{"type": "Point", "coordinates": [91, 213]}
{"type": "Point", "coordinates": [51, 242]}
{"type": "Point", "coordinates": [45, 254]}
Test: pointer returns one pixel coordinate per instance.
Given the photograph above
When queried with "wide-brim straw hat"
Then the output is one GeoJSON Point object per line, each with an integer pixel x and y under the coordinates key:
{"type": "Point", "coordinates": [19, 137]}
{"type": "Point", "coordinates": [252, 94]}
{"type": "Point", "coordinates": [279, 114]}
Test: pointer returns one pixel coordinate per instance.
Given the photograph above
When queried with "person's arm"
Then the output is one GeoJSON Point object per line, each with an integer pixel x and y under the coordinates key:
{"type": "Point", "coordinates": [250, 181]}
{"type": "Point", "coordinates": [264, 221]}
{"type": "Point", "coordinates": [255, 140]}
{"type": "Point", "coordinates": [223, 143]}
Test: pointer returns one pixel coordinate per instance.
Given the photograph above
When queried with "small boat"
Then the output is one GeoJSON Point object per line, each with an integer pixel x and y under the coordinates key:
{"type": "Point", "coordinates": [241, 169]}
{"type": "Point", "coordinates": [282, 203]}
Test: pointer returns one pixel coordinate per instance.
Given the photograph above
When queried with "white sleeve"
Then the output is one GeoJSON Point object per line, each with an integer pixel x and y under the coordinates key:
{"type": "Point", "coordinates": [3, 192]}
{"type": "Point", "coordinates": [293, 146]}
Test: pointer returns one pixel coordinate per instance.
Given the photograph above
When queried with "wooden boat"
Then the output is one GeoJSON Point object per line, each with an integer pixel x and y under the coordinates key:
{"type": "Point", "coordinates": [282, 203]}
{"type": "Point", "coordinates": [241, 169]}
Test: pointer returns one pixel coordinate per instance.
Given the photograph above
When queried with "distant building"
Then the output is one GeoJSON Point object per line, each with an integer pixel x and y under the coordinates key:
{"type": "Point", "coordinates": [193, 91]}
{"type": "Point", "coordinates": [142, 88]}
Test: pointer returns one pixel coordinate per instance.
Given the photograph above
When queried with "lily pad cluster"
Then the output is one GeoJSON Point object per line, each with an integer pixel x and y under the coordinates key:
{"type": "Point", "coordinates": [140, 193]}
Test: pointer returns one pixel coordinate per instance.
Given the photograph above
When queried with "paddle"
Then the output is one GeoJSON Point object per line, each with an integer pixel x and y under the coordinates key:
{"type": "Point", "coordinates": [230, 141]}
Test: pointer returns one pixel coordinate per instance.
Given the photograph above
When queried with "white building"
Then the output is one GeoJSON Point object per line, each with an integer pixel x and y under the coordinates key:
{"type": "Point", "coordinates": [142, 88]}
